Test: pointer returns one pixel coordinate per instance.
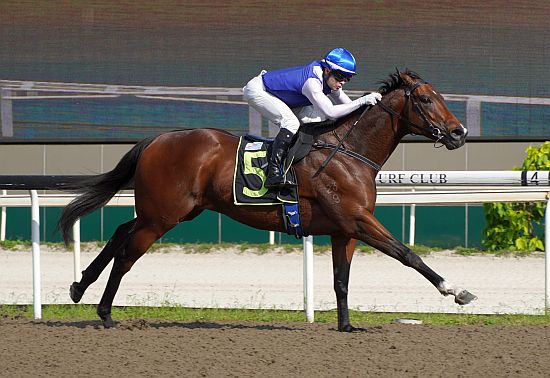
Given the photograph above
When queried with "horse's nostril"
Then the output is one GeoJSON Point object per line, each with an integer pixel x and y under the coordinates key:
{"type": "Point", "coordinates": [458, 133]}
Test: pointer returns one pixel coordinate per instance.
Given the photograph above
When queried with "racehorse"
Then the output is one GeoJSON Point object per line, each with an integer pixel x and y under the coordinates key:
{"type": "Point", "coordinates": [179, 174]}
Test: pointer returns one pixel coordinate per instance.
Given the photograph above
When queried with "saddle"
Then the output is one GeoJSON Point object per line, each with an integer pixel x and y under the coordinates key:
{"type": "Point", "coordinates": [304, 140]}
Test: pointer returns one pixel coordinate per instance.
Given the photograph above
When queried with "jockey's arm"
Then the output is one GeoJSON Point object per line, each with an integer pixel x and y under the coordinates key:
{"type": "Point", "coordinates": [339, 97]}
{"type": "Point", "coordinates": [313, 90]}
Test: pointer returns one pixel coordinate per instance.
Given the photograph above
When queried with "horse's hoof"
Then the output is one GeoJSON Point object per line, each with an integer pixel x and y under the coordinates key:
{"type": "Point", "coordinates": [105, 315]}
{"type": "Point", "coordinates": [464, 297]}
{"type": "Point", "coordinates": [75, 293]}
{"type": "Point", "coordinates": [349, 328]}
{"type": "Point", "coordinates": [108, 321]}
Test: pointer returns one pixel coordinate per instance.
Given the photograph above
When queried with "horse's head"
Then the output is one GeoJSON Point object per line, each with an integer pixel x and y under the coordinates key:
{"type": "Point", "coordinates": [424, 111]}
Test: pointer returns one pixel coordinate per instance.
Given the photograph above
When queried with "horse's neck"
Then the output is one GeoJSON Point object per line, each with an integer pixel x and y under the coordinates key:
{"type": "Point", "coordinates": [377, 134]}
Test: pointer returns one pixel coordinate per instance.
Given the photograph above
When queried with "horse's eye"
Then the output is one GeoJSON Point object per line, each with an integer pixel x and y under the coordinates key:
{"type": "Point", "coordinates": [425, 99]}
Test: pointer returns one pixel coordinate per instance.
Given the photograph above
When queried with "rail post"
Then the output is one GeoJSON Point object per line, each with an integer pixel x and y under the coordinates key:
{"type": "Point", "coordinates": [76, 250]}
{"type": "Point", "coordinates": [308, 278]}
{"type": "Point", "coordinates": [35, 236]}
{"type": "Point", "coordinates": [219, 227]}
{"type": "Point", "coordinates": [3, 220]}
{"type": "Point", "coordinates": [547, 257]}
{"type": "Point", "coordinates": [412, 222]}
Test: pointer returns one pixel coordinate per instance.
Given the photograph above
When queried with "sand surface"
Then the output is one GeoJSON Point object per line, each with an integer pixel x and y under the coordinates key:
{"type": "Point", "coordinates": [232, 278]}
{"type": "Point", "coordinates": [150, 348]}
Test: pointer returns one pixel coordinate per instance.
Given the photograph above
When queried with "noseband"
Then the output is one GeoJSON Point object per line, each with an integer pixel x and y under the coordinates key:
{"type": "Point", "coordinates": [435, 131]}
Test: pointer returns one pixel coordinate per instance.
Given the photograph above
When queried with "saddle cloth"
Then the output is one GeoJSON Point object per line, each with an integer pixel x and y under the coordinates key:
{"type": "Point", "coordinates": [250, 175]}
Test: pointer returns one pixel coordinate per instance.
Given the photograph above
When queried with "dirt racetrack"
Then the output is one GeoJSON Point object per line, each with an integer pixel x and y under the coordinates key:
{"type": "Point", "coordinates": [147, 348]}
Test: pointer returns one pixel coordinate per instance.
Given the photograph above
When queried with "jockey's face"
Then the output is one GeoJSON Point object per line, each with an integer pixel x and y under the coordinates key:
{"type": "Point", "coordinates": [336, 79]}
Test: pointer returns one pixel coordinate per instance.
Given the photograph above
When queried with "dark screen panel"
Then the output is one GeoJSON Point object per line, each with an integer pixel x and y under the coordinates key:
{"type": "Point", "coordinates": [495, 48]}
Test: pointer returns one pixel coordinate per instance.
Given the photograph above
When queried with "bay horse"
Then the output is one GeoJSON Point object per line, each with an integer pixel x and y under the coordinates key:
{"type": "Point", "coordinates": [179, 174]}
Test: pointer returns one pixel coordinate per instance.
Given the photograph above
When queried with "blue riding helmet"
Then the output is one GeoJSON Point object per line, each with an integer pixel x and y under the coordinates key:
{"type": "Point", "coordinates": [340, 59]}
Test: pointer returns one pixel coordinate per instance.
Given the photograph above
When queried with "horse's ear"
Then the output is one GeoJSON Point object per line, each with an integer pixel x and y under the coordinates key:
{"type": "Point", "coordinates": [407, 80]}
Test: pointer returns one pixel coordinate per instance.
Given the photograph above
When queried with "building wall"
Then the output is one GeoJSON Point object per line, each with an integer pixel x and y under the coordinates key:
{"type": "Point", "coordinates": [97, 158]}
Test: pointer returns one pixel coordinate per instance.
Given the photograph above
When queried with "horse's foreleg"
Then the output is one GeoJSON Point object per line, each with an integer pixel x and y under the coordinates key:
{"type": "Point", "coordinates": [342, 253]}
{"type": "Point", "coordinates": [92, 272]}
{"type": "Point", "coordinates": [139, 242]}
{"type": "Point", "coordinates": [376, 235]}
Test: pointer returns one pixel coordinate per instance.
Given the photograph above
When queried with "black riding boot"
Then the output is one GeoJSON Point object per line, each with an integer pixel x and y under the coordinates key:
{"type": "Point", "coordinates": [275, 168]}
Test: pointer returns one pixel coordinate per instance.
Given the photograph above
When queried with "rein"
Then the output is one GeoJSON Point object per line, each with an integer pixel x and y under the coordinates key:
{"type": "Point", "coordinates": [339, 147]}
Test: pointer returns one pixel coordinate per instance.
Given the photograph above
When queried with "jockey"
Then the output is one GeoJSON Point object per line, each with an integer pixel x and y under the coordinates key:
{"type": "Point", "coordinates": [310, 93]}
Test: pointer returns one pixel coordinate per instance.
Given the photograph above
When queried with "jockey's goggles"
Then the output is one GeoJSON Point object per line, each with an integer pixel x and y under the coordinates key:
{"type": "Point", "coordinates": [341, 76]}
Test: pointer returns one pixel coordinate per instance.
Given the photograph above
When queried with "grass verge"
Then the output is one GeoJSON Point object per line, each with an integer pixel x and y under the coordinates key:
{"type": "Point", "coordinates": [175, 313]}
{"type": "Point", "coordinates": [256, 248]}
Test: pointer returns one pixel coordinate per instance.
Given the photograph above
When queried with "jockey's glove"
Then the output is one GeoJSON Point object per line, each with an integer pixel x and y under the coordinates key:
{"type": "Point", "coordinates": [370, 99]}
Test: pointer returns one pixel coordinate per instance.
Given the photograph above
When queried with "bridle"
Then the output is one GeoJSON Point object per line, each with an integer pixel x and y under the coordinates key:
{"type": "Point", "coordinates": [436, 131]}
{"type": "Point", "coordinates": [409, 94]}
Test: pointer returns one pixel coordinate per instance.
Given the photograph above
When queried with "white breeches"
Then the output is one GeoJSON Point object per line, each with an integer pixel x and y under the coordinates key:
{"type": "Point", "coordinates": [276, 110]}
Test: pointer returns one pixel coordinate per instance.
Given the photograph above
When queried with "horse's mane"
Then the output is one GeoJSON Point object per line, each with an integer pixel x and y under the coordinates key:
{"type": "Point", "coordinates": [395, 81]}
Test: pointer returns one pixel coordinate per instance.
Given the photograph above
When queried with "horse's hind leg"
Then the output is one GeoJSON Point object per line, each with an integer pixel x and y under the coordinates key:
{"type": "Point", "coordinates": [138, 243]}
{"type": "Point", "coordinates": [92, 272]}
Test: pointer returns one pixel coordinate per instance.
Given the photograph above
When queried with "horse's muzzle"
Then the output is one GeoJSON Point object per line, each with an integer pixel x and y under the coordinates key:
{"type": "Point", "coordinates": [456, 138]}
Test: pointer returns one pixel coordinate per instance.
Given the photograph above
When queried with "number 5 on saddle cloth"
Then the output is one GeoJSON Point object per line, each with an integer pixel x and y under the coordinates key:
{"type": "Point", "coordinates": [249, 178]}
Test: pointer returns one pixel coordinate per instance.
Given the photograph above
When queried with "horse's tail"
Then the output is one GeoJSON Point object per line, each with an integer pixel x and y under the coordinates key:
{"type": "Point", "coordinates": [96, 191]}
